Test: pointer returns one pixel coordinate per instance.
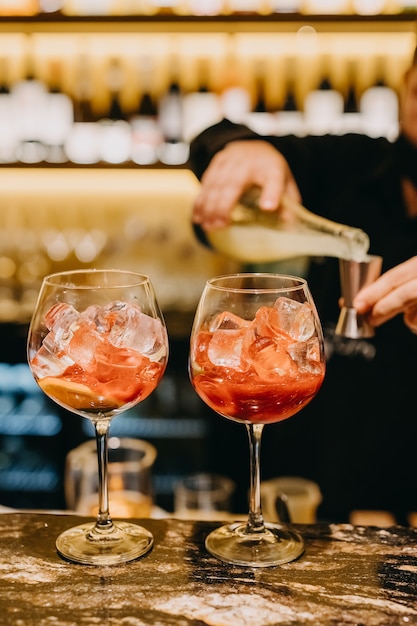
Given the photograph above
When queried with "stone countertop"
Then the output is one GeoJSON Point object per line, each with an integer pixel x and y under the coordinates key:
{"type": "Point", "coordinates": [348, 575]}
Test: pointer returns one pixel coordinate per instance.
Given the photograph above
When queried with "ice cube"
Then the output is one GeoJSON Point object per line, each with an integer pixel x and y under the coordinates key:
{"type": "Point", "coordinates": [225, 349]}
{"type": "Point", "coordinates": [60, 313]}
{"type": "Point", "coordinates": [267, 323]}
{"type": "Point", "coordinates": [84, 344]}
{"type": "Point", "coordinates": [62, 320]}
{"type": "Point", "coordinates": [130, 328]}
{"type": "Point", "coordinates": [47, 362]}
{"type": "Point", "coordinates": [199, 349]}
{"type": "Point", "coordinates": [306, 355]}
{"type": "Point", "coordinates": [98, 316]}
{"type": "Point", "coordinates": [269, 357]}
{"type": "Point", "coordinates": [73, 337]}
{"type": "Point", "coordinates": [228, 321]}
{"type": "Point", "coordinates": [295, 318]}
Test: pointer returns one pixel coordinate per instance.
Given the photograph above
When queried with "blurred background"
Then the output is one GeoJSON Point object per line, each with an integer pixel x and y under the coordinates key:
{"type": "Point", "coordinates": [99, 100]}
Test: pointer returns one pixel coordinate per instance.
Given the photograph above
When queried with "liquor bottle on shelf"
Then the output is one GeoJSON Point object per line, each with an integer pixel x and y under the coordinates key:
{"type": "Point", "coordinates": [235, 98]}
{"type": "Point", "coordinates": [60, 115]}
{"type": "Point", "coordinates": [29, 98]}
{"type": "Point", "coordinates": [379, 107]}
{"type": "Point", "coordinates": [115, 132]}
{"type": "Point", "coordinates": [260, 119]}
{"type": "Point", "coordinates": [290, 119]}
{"type": "Point", "coordinates": [173, 150]}
{"type": "Point", "coordinates": [323, 107]}
{"type": "Point", "coordinates": [114, 84]}
{"type": "Point", "coordinates": [351, 103]}
{"type": "Point", "coordinates": [8, 135]}
{"type": "Point", "coordinates": [83, 92]}
{"type": "Point", "coordinates": [83, 142]}
{"type": "Point", "coordinates": [201, 107]}
{"type": "Point", "coordinates": [351, 120]}
{"type": "Point", "coordinates": [146, 133]}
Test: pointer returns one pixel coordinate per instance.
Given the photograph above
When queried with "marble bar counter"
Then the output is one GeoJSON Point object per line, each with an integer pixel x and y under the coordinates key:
{"type": "Point", "coordinates": [348, 575]}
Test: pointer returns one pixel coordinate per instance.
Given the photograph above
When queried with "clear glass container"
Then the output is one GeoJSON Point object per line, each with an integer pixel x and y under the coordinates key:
{"type": "Point", "coordinates": [255, 236]}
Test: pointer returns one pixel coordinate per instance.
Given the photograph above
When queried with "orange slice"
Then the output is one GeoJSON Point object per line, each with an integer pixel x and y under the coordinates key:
{"type": "Point", "coordinates": [76, 396]}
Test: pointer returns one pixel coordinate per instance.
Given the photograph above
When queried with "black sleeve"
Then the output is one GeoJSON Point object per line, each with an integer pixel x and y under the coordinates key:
{"type": "Point", "coordinates": [307, 156]}
{"type": "Point", "coordinates": [212, 140]}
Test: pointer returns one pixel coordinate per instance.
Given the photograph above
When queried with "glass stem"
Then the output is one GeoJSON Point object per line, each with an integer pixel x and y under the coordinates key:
{"type": "Point", "coordinates": [255, 522]}
{"type": "Point", "coordinates": [104, 522]}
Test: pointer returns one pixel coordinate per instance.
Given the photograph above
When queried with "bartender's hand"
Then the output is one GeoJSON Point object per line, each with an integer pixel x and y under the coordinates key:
{"type": "Point", "coordinates": [392, 293]}
{"type": "Point", "coordinates": [233, 170]}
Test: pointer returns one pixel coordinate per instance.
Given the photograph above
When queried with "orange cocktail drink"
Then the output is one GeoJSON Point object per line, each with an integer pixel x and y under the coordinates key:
{"type": "Point", "coordinates": [262, 370]}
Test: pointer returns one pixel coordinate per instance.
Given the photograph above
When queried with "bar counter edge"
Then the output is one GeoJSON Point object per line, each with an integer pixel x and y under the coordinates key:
{"type": "Point", "coordinates": [348, 575]}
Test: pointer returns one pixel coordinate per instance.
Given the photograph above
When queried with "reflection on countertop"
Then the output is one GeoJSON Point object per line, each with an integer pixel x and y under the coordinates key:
{"type": "Point", "coordinates": [347, 575]}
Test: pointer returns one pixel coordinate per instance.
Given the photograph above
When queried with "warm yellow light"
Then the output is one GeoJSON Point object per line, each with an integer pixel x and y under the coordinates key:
{"type": "Point", "coordinates": [7, 267]}
{"type": "Point", "coordinates": [95, 183]}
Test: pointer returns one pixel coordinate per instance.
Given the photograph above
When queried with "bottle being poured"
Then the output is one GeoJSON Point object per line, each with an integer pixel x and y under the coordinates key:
{"type": "Point", "coordinates": [256, 236]}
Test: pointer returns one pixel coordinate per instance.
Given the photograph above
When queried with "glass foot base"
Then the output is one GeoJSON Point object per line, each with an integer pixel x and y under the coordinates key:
{"type": "Point", "coordinates": [121, 543]}
{"type": "Point", "coordinates": [234, 544]}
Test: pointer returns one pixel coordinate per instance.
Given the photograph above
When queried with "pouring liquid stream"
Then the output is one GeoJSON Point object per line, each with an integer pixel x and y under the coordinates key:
{"type": "Point", "coordinates": [255, 236]}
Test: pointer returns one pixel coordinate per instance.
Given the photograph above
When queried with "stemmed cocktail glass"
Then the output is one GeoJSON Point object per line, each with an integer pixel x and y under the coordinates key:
{"type": "Point", "coordinates": [256, 357]}
{"type": "Point", "coordinates": [97, 346]}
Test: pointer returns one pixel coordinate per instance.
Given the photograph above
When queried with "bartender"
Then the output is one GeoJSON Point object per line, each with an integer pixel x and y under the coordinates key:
{"type": "Point", "coordinates": [357, 438]}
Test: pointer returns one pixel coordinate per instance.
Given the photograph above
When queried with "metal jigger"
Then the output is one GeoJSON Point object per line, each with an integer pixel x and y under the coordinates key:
{"type": "Point", "coordinates": [353, 276]}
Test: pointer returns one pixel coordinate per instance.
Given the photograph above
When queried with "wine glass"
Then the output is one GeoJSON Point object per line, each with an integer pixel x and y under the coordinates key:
{"type": "Point", "coordinates": [98, 345]}
{"type": "Point", "coordinates": [256, 357]}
